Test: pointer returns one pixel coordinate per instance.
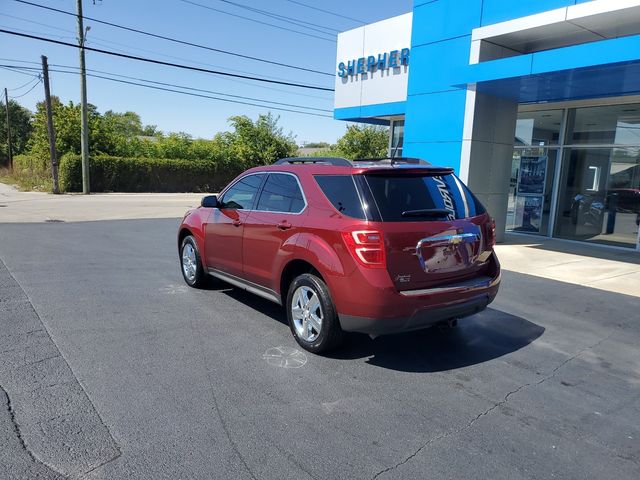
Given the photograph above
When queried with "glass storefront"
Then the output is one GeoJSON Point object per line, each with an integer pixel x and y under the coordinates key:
{"type": "Point", "coordinates": [397, 138]}
{"type": "Point", "coordinates": [586, 187]}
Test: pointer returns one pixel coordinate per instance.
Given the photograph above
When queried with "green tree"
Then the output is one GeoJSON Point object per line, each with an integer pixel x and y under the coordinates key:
{"type": "Point", "coordinates": [21, 128]}
{"type": "Point", "coordinates": [363, 141]}
{"type": "Point", "coordinates": [127, 124]}
{"type": "Point", "coordinates": [150, 131]}
{"type": "Point", "coordinates": [316, 145]}
{"type": "Point", "coordinates": [108, 134]}
{"type": "Point", "coordinates": [255, 143]}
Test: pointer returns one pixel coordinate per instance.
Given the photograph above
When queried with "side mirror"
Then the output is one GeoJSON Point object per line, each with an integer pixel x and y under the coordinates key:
{"type": "Point", "coordinates": [210, 201]}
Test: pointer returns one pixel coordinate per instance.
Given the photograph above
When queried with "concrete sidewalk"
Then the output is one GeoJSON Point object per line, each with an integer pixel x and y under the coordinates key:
{"type": "Point", "coordinates": [28, 207]}
{"type": "Point", "coordinates": [611, 270]}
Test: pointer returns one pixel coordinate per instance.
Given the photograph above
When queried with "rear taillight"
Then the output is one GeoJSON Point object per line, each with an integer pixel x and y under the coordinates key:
{"type": "Point", "coordinates": [367, 247]}
{"type": "Point", "coordinates": [491, 233]}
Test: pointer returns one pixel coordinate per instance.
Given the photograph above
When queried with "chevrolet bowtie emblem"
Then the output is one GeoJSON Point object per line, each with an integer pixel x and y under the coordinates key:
{"type": "Point", "coordinates": [455, 240]}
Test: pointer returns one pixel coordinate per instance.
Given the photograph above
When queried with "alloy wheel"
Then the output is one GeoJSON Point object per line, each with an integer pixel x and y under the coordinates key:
{"type": "Point", "coordinates": [306, 313]}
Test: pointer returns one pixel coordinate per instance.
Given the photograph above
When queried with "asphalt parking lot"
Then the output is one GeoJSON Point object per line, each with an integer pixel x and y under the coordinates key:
{"type": "Point", "coordinates": [112, 368]}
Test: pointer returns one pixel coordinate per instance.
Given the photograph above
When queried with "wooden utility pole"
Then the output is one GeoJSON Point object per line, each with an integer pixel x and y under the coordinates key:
{"type": "Point", "coordinates": [9, 144]}
{"type": "Point", "coordinates": [52, 132]}
{"type": "Point", "coordinates": [84, 127]}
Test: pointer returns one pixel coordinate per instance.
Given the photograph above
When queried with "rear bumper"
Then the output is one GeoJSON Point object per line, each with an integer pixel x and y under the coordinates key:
{"type": "Point", "coordinates": [424, 318]}
{"type": "Point", "coordinates": [418, 309]}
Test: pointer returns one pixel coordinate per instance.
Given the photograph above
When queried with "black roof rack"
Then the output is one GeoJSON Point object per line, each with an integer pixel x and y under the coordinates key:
{"type": "Point", "coordinates": [335, 161]}
{"type": "Point", "coordinates": [343, 162]}
{"type": "Point", "coordinates": [394, 160]}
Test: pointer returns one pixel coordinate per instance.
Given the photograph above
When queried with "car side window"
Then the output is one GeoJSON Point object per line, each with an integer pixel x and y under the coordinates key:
{"type": "Point", "coordinates": [281, 193]}
{"type": "Point", "coordinates": [242, 195]}
{"type": "Point", "coordinates": [341, 192]}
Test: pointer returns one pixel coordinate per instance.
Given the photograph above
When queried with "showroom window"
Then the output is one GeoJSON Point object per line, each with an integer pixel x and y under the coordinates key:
{"type": "Point", "coordinates": [586, 187]}
{"type": "Point", "coordinates": [397, 138]}
{"type": "Point", "coordinates": [535, 158]}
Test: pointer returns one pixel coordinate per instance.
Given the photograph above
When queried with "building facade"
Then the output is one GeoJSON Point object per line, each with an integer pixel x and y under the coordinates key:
{"type": "Point", "coordinates": [536, 104]}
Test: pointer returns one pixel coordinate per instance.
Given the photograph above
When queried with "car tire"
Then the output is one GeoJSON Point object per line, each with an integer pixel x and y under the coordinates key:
{"type": "Point", "coordinates": [191, 263]}
{"type": "Point", "coordinates": [312, 315]}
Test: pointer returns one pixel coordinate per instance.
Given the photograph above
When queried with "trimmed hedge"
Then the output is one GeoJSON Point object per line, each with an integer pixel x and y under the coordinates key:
{"type": "Point", "coordinates": [116, 174]}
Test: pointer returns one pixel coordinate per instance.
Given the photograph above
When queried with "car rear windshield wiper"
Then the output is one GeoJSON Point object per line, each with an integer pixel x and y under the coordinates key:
{"type": "Point", "coordinates": [427, 212]}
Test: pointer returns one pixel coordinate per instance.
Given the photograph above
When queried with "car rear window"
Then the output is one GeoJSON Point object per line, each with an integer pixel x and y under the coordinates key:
{"type": "Point", "coordinates": [407, 198]}
{"type": "Point", "coordinates": [341, 192]}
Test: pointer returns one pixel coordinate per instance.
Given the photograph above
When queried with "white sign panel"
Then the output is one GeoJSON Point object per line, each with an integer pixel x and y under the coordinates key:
{"type": "Point", "coordinates": [372, 64]}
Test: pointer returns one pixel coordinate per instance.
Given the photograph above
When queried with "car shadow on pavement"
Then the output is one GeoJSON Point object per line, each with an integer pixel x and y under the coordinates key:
{"type": "Point", "coordinates": [482, 337]}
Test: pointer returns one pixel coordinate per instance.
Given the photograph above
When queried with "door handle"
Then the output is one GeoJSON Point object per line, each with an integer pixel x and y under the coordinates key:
{"type": "Point", "coordinates": [237, 223]}
{"type": "Point", "coordinates": [284, 225]}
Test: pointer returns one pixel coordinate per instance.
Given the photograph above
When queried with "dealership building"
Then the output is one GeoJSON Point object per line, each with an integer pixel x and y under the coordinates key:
{"type": "Point", "coordinates": [535, 103]}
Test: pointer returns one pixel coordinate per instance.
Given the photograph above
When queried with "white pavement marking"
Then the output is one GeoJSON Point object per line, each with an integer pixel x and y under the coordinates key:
{"type": "Point", "coordinates": [285, 357]}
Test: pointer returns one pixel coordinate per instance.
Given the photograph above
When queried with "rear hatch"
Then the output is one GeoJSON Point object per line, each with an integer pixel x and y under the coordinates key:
{"type": "Point", "coordinates": [434, 228]}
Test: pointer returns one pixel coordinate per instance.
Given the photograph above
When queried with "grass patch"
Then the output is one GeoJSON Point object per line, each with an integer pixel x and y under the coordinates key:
{"type": "Point", "coordinates": [26, 183]}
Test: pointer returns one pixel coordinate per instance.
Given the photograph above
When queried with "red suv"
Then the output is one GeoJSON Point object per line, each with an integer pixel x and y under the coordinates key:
{"type": "Point", "coordinates": [371, 246]}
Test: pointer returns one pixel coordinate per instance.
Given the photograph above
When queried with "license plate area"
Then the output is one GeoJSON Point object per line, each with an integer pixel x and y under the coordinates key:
{"type": "Point", "coordinates": [449, 252]}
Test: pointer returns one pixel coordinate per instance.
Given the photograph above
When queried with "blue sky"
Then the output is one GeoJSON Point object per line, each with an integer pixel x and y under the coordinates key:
{"type": "Point", "coordinates": [176, 18]}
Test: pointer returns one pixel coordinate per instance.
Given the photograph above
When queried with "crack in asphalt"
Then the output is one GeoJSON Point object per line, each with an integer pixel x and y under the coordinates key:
{"type": "Point", "coordinates": [28, 302]}
{"type": "Point", "coordinates": [16, 429]}
{"type": "Point", "coordinates": [216, 407]}
{"type": "Point", "coordinates": [36, 362]}
{"type": "Point", "coordinates": [223, 423]}
{"type": "Point", "coordinates": [461, 429]}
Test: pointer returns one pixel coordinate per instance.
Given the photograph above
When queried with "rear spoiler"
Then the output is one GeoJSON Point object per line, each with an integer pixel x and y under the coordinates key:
{"type": "Point", "coordinates": [409, 170]}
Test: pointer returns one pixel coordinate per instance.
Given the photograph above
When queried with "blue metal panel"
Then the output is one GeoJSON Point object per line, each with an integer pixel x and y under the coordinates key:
{"type": "Point", "coordinates": [435, 117]}
{"type": "Point", "coordinates": [604, 68]}
{"type": "Point", "coordinates": [593, 82]}
{"type": "Point", "coordinates": [492, 70]}
{"type": "Point", "coordinates": [441, 20]}
{"type": "Point", "coordinates": [433, 65]}
{"type": "Point", "coordinates": [442, 154]}
{"type": "Point", "coordinates": [363, 113]}
{"type": "Point", "coordinates": [595, 53]}
{"type": "Point", "coordinates": [495, 11]}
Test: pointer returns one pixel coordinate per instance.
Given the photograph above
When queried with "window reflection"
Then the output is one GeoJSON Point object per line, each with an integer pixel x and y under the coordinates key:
{"type": "Point", "coordinates": [600, 195]}
{"type": "Point", "coordinates": [538, 128]}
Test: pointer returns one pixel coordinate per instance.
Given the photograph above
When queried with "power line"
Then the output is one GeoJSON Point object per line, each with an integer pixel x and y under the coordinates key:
{"type": "Point", "coordinates": [195, 94]}
{"type": "Point", "coordinates": [277, 16]}
{"type": "Point", "coordinates": [325, 11]}
{"type": "Point", "coordinates": [22, 19]}
{"type": "Point", "coordinates": [182, 42]}
{"type": "Point", "coordinates": [257, 21]}
{"type": "Point", "coordinates": [211, 97]}
{"type": "Point", "coordinates": [235, 81]}
{"type": "Point", "coordinates": [109, 43]}
{"type": "Point", "coordinates": [28, 91]}
{"type": "Point", "coordinates": [20, 87]}
{"type": "Point", "coordinates": [168, 64]}
{"type": "Point", "coordinates": [17, 71]}
{"type": "Point", "coordinates": [33, 32]}
{"type": "Point", "coordinates": [172, 85]}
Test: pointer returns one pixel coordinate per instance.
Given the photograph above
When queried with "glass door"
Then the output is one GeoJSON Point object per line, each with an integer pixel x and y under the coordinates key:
{"type": "Point", "coordinates": [531, 190]}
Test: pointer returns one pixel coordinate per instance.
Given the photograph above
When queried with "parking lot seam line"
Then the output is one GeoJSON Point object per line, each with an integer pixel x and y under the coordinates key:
{"type": "Point", "coordinates": [16, 429]}
{"type": "Point", "coordinates": [613, 276]}
{"type": "Point", "coordinates": [458, 430]}
{"type": "Point", "coordinates": [93, 469]}
{"type": "Point", "coordinates": [61, 355]}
